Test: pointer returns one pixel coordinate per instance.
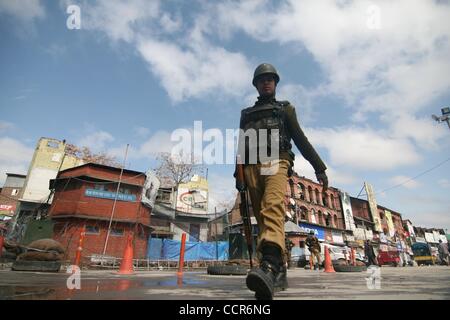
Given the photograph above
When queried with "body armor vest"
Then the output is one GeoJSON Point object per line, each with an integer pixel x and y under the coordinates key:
{"type": "Point", "coordinates": [270, 116]}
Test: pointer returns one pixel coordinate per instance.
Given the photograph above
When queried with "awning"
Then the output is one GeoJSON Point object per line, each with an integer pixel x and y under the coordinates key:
{"type": "Point", "coordinates": [290, 227]}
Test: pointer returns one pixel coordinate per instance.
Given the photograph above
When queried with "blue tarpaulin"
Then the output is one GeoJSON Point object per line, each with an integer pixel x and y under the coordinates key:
{"type": "Point", "coordinates": [166, 249]}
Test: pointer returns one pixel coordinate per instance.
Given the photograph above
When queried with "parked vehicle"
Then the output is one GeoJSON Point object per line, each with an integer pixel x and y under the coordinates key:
{"type": "Point", "coordinates": [389, 257]}
{"type": "Point", "coordinates": [423, 254]}
{"type": "Point", "coordinates": [337, 253]}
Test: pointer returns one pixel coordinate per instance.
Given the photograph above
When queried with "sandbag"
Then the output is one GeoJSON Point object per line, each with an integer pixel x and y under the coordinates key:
{"type": "Point", "coordinates": [46, 244]}
{"type": "Point", "coordinates": [40, 256]}
{"type": "Point", "coordinates": [43, 250]}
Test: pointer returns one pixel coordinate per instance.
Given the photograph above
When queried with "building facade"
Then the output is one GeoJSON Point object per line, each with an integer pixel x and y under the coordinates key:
{"type": "Point", "coordinates": [85, 198]}
{"type": "Point", "coordinates": [10, 194]}
{"type": "Point", "coordinates": [48, 159]}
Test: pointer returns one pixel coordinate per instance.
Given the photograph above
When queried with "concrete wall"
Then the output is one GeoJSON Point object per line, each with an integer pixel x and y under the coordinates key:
{"type": "Point", "coordinates": [47, 159]}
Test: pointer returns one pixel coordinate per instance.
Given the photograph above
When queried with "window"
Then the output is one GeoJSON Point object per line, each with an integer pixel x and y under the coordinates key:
{"type": "Point", "coordinates": [124, 190]}
{"type": "Point", "coordinates": [100, 187]}
{"type": "Point", "coordinates": [117, 232]}
{"type": "Point", "coordinates": [327, 220]}
{"type": "Point", "coordinates": [14, 192]}
{"type": "Point", "coordinates": [331, 201]}
{"type": "Point", "coordinates": [163, 196]}
{"type": "Point", "coordinates": [92, 230]}
{"type": "Point", "coordinates": [318, 200]}
{"type": "Point", "coordinates": [53, 144]}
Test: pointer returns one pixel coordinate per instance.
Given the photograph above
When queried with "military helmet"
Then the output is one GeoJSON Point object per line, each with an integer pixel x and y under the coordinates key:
{"type": "Point", "coordinates": [265, 68]}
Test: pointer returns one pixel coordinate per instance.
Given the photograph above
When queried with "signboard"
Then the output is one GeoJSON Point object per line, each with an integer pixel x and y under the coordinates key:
{"type": "Point", "coordinates": [410, 229]}
{"type": "Point", "coordinates": [7, 209]}
{"type": "Point", "coordinates": [193, 196]}
{"type": "Point", "coordinates": [109, 195]}
{"type": "Point", "coordinates": [359, 234]}
{"type": "Point", "coordinates": [429, 237]}
{"type": "Point", "coordinates": [369, 234]}
{"type": "Point", "coordinates": [150, 189]}
{"type": "Point", "coordinates": [443, 238]}
{"type": "Point", "coordinates": [319, 232]}
{"type": "Point", "coordinates": [436, 236]}
{"type": "Point", "coordinates": [347, 211]}
{"type": "Point", "coordinates": [373, 208]}
{"type": "Point", "coordinates": [337, 237]}
{"type": "Point", "coordinates": [390, 223]}
{"type": "Point", "coordinates": [349, 238]}
{"type": "Point", "coordinates": [420, 239]}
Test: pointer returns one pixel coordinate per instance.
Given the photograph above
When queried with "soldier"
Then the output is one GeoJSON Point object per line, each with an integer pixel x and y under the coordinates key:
{"type": "Point", "coordinates": [314, 249]}
{"type": "Point", "coordinates": [266, 180]}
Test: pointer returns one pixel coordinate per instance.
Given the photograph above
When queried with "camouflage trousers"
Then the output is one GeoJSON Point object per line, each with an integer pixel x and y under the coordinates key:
{"type": "Point", "coordinates": [267, 187]}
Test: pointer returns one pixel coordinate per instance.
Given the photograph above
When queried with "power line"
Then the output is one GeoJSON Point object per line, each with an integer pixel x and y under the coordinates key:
{"type": "Point", "coordinates": [413, 178]}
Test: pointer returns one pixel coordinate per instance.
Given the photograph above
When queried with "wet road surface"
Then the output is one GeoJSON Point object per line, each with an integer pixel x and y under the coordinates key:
{"type": "Point", "coordinates": [394, 283]}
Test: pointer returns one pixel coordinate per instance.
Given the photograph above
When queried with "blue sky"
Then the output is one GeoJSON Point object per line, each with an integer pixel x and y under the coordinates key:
{"type": "Point", "coordinates": [364, 78]}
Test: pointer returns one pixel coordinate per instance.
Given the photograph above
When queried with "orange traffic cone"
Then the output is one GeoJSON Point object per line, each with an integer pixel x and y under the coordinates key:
{"type": "Point", "coordinates": [328, 264]}
{"type": "Point", "coordinates": [126, 267]}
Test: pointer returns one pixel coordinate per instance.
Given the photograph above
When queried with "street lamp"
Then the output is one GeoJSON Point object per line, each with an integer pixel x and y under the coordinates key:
{"type": "Point", "coordinates": [445, 116]}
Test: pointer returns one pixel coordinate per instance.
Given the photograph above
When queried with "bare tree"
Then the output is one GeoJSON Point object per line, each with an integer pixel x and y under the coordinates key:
{"type": "Point", "coordinates": [85, 154]}
{"type": "Point", "coordinates": [176, 169]}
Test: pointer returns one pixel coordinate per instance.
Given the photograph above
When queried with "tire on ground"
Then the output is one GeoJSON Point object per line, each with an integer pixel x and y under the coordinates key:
{"type": "Point", "coordinates": [227, 270]}
{"type": "Point", "coordinates": [345, 268]}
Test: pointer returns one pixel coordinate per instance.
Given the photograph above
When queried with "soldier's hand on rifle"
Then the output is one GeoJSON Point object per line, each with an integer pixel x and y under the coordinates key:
{"type": "Point", "coordinates": [323, 179]}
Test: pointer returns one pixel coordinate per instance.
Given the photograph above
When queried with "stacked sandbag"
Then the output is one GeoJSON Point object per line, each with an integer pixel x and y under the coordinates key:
{"type": "Point", "coordinates": [43, 250]}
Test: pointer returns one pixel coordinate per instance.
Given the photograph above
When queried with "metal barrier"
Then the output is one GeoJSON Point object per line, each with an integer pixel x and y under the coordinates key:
{"type": "Point", "coordinates": [108, 262]}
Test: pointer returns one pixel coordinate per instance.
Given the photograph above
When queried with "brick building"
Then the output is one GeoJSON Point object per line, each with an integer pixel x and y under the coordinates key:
{"type": "Point", "coordinates": [10, 194]}
{"type": "Point", "coordinates": [84, 196]}
{"type": "Point", "coordinates": [307, 208]}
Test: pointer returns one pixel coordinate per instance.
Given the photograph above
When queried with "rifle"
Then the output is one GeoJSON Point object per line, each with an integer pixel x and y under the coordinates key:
{"type": "Point", "coordinates": [242, 188]}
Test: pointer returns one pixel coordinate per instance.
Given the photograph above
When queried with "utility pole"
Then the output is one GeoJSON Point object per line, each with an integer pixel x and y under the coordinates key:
{"type": "Point", "coordinates": [217, 244]}
{"type": "Point", "coordinates": [115, 201]}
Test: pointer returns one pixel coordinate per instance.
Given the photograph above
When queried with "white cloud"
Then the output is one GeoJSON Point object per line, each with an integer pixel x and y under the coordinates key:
{"type": "Point", "coordinates": [395, 70]}
{"type": "Point", "coordinates": [187, 64]}
{"type": "Point", "coordinates": [14, 158]}
{"type": "Point", "coordinates": [25, 10]}
{"type": "Point", "coordinates": [157, 143]}
{"type": "Point", "coordinates": [336, 178]}
{"type": "Point", "coordinates": [222, 192]}
{"type": "Point", "coordinates": [96, 141]}
{"type": "Point", "coordinates": [302, 98]}
{"type": "Point", "coordinates": [196, 70]}
{"type": "Point", "coordinates": [404, 181]}
{"type": "Point", "coordinates": [364, 148]}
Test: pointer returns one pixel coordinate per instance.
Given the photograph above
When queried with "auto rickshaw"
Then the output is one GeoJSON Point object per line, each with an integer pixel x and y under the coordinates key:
{"type": "Point", "coordinates": [422, 254]}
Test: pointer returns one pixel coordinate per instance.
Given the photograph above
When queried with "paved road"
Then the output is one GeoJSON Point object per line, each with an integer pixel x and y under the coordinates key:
{"type": "Point", "coordinates": [395, 283]}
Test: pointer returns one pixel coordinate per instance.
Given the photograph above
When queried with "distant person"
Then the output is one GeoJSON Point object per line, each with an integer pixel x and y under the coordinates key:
{"type": "Point", "coordinates": [370, 253]}
{"type": "Point", "coordinates": [314, 248]}
{"type": "Point", "coordinates": [443, 252]}
{"type": "Point", "coordinates": [288, 247]}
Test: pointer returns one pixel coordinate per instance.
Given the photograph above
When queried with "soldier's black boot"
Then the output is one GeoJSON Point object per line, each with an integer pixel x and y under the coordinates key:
{"type": "Point", "coordinates": [281, 282]}
{"type": "Point", "coordinates": [262, 279]}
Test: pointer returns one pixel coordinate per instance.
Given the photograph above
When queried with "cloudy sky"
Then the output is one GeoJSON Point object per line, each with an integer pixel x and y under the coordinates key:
{"type": "Point", "coordinates": [365, 77]}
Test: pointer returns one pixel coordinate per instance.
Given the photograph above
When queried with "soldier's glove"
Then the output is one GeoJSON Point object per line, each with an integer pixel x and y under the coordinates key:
{"type": "Point", "coordinates": [323, 179]}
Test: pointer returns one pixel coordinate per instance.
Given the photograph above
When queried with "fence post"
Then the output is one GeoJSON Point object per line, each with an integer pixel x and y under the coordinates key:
{"type": "Point", "coordinates": [181, 262]}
